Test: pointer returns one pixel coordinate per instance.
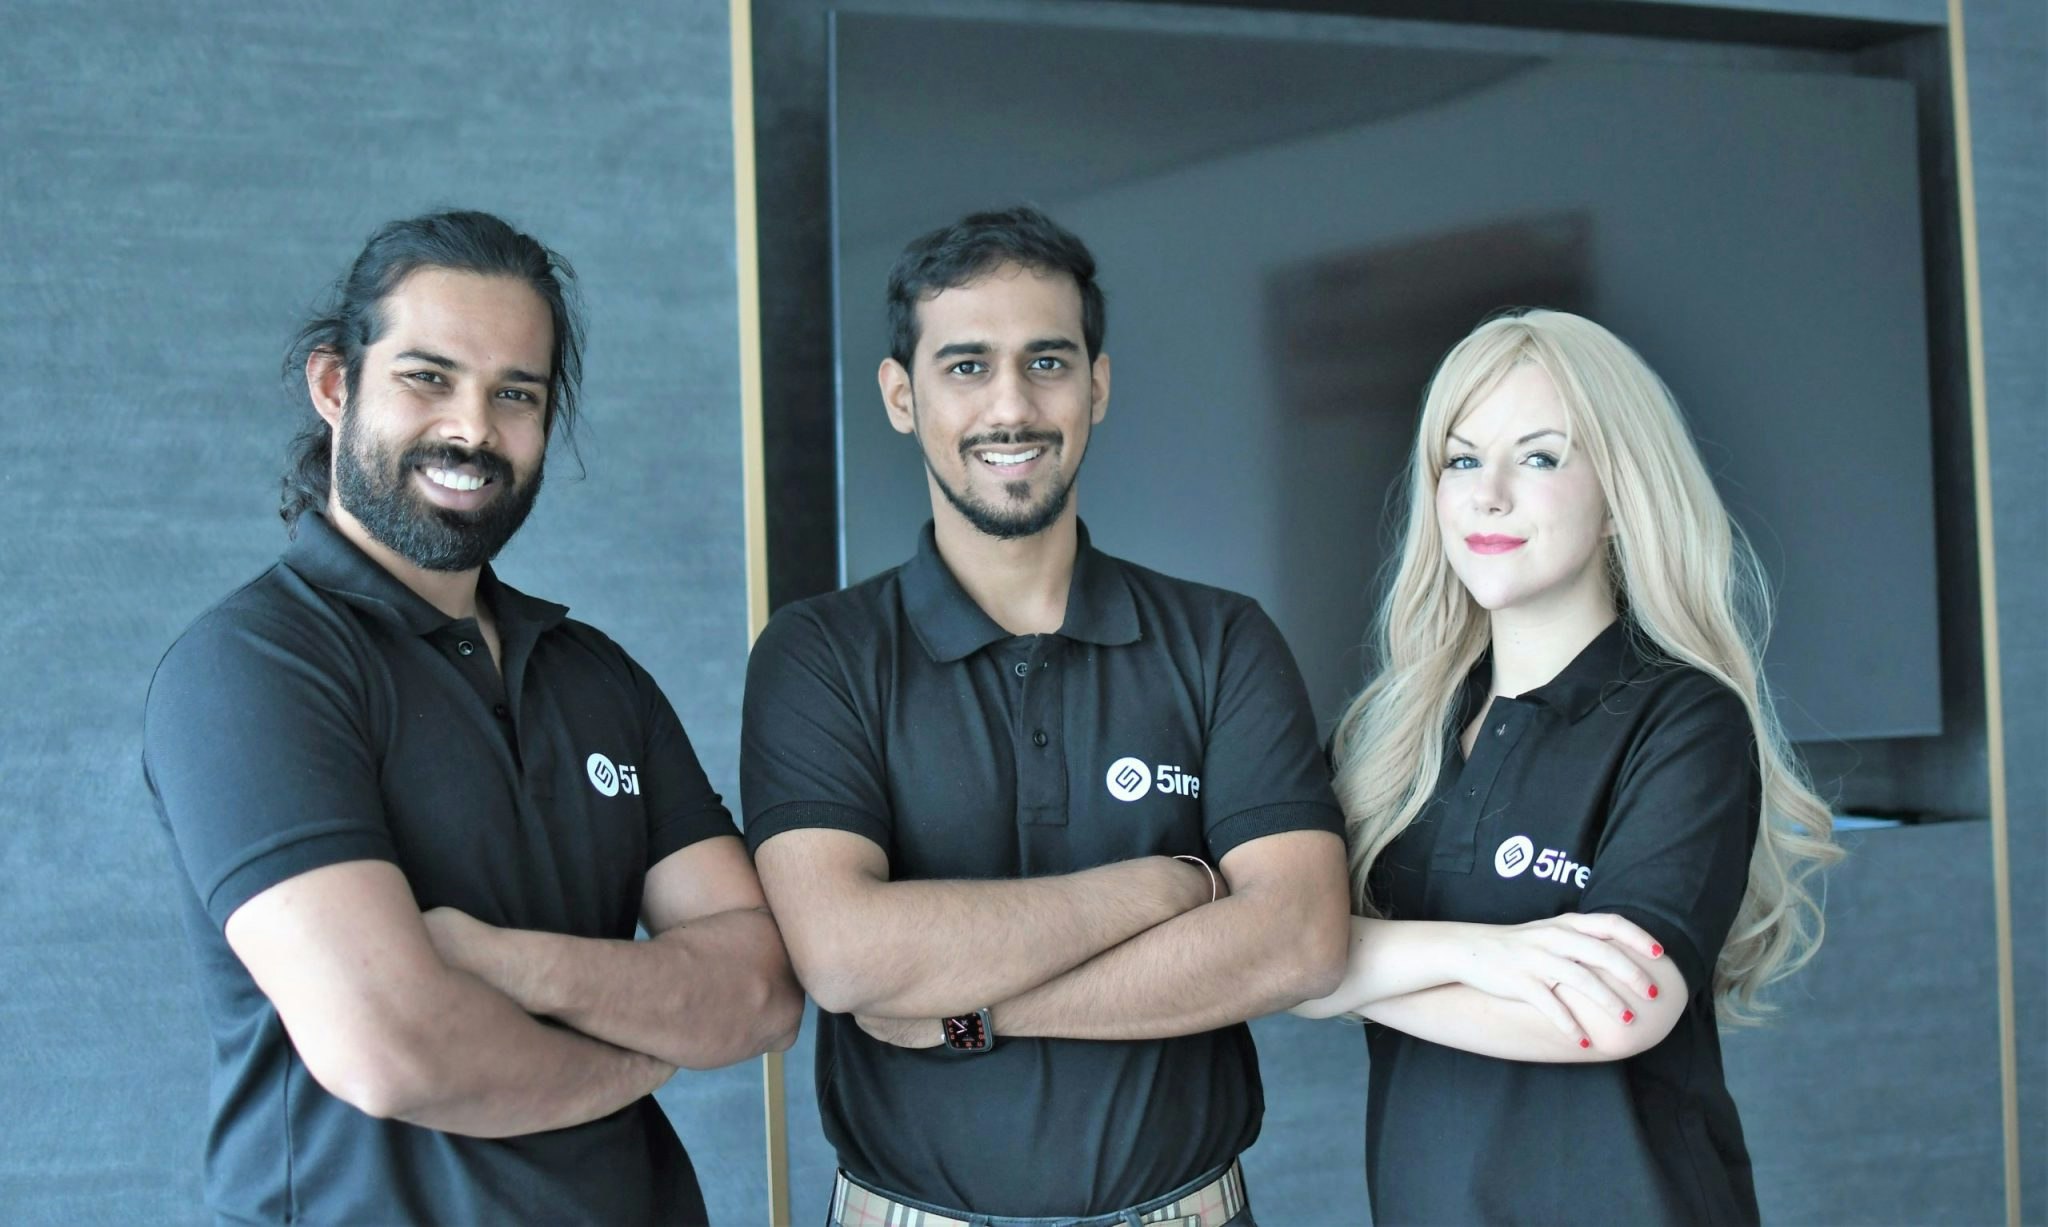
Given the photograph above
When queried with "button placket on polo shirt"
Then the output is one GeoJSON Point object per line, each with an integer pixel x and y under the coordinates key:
{"type": "Point", "coordinates": [1470, 800]}
{"type": "Point", "coordinates": [464, 643]}
{"type": "Point", "coordinates": [1040, 744]}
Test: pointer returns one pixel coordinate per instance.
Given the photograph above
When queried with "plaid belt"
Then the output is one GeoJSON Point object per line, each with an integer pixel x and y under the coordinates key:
{"type": "Point", "coordinates": [1210, 1202]}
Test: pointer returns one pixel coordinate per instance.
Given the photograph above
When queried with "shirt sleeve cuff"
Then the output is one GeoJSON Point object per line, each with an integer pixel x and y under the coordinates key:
{"type": "Point", "coordinates": [691, 826]}
{"type": "Point", "coordinates": [811, 815]}
{"type": "Point", "coordinates": [1247, 825]}
{"type": "Point", "coordinates": [298, 852]}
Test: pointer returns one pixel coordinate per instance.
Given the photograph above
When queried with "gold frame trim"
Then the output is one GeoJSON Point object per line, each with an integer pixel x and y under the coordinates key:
{"type": "Point", "coordinates": [1987, 595]}
{"type": "Point", "coordinates": [747, 261]}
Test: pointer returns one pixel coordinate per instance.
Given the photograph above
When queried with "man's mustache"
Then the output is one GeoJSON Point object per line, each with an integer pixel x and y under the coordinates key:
{"type": "Point", "coordinates": [489, 465]}
{"type": "Point", "coordinates": [1009, 438]}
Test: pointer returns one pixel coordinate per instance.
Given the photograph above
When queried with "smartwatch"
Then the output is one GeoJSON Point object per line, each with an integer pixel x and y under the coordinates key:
{"type": "Point", "coordinates": [969, 1032]}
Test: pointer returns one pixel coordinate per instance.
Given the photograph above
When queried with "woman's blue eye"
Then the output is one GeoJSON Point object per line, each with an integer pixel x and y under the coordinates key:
{"type": "Point", "coordinates": [1462, 462]}
{"type": "Point", "coordinates": [1540, 460]}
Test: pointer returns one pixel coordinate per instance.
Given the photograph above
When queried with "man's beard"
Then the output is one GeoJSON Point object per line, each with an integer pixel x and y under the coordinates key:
{"type": "Point", "coordinates": [377, 490]}
{"type": "Point", "coordinates": [1017, 519]}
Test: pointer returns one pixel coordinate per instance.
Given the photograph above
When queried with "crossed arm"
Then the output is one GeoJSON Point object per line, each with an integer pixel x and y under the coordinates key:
{"type": "Point", "coordinates": [1122, 951]}
{"type": "Point", "coordinates": [446, 1022]}
{"type": "Point", "coordinates": [1569, 988]}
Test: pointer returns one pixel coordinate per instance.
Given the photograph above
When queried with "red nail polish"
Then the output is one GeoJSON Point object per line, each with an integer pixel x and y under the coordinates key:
{"type": "Point", "coordinates": [1653, 992]}
{"type": "Point", "coordinates": [1656, 950]}
{"type": "Point", "coordinates": [1584, 1042]}
{"type": "Point", "coordinates": [1628, 1016]}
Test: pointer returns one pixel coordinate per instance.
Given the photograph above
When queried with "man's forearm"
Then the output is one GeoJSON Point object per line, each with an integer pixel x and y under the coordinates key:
{"type": "Point", "coordinates": [699, 995]}
{"type": "Point", "coordinates": [1236, 959]}
{"type": "Point", "coordinates": [475, 1063]}
{"type": "Point", "coordinates": [931, 949]}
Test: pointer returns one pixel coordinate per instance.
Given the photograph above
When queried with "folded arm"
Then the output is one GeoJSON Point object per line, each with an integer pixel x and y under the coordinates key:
{"type": "Point", "coordinates": [1675, 856]}
{"type": "Point", "coordinates": [1570, 978]}
{"type": "Point", "coordinates": [1391, 958]}
{"type": "Point", "coordinates": [712, 986]}
{"type": "Point", "coordinates": [928, 949]}
{"type": "Point", "coordinates": [387, 1026]}
{"type": "Point", "coordinates": [1276, 938]}
{"type": "Point", "coordinates": [1463, 1017]}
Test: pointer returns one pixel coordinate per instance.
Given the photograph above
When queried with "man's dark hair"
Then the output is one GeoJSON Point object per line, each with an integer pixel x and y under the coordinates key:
{"type": "Point", "coordinates": [461, 241]}
{"type": "Point", "coordinates": [954, 255]}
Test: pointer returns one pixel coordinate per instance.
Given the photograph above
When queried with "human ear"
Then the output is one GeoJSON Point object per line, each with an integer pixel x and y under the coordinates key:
{"type": "Point", "coordinates": [898, 397]}
{"type": "Point", "coordinates": [1098, 387]}
{"type": "Point", "coordinates": [327, 384]}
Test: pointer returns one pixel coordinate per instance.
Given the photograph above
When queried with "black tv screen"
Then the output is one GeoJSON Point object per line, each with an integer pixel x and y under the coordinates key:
{"type": "Point", "coordinates": [1294, 222]}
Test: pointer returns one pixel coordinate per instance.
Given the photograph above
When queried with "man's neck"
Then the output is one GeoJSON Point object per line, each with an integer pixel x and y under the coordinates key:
{"type": "Point", "coordinates": [451, 592]}
{"type": "Point", "coordinates": [1020, 583]}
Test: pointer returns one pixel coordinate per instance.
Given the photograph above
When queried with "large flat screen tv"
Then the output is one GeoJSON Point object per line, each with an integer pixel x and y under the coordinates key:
{"type": "Point", "coordinates": [1293, 226]}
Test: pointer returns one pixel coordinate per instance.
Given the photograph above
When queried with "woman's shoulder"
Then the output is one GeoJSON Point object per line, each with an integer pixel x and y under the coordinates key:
{"type": "Point", "coordinates": [1661, 690]}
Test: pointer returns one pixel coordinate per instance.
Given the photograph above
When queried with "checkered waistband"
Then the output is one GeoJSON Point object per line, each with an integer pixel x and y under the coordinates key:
{"type": "Point", "coordinates": [1211, 1202]}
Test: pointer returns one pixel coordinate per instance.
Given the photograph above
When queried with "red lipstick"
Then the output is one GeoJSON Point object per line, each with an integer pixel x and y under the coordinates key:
{"type": "Point", "coordinates": [1493, 543]}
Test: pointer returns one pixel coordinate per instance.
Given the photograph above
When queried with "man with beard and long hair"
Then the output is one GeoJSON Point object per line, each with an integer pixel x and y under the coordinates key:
{"type": "Point", "coordinates": [1017, 794]}
{"type": "Point", "coordinates": [421, 812]}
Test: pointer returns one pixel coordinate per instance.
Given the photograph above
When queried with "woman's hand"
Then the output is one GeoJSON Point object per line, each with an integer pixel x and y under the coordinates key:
{"type": "Point", "coordinates": [1586, 953]}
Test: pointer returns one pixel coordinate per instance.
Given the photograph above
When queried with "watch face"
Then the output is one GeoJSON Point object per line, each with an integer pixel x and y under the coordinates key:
{"type": "Point", "coordinates": [965, 1032]}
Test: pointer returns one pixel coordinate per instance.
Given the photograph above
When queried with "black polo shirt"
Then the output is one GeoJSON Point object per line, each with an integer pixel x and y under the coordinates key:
{"type": "Point", "coordinates": [325, 713]}
{"type": "Point", "coordinates": [1163, 718]}
{"type": "Point", "coordinates": [1625, 785]}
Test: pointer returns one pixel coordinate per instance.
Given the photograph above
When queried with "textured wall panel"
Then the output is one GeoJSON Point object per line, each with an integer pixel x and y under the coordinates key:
{"type": "Point", "coordinates": [179, 186]}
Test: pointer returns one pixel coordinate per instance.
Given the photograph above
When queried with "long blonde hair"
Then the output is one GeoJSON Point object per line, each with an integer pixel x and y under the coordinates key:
{"type": "Point", "coordinates": [1684, 576]}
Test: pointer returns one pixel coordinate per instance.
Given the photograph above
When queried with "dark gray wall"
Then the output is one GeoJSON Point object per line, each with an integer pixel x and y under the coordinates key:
{"type": "Point", "coordinates": [179, 185]}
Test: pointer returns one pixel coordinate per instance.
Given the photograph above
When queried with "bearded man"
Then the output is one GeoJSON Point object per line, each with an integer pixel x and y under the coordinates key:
{"type": "Point", "coordinates": [1043, 827]}
{"type": "Point", "coordinates": [421, 812]}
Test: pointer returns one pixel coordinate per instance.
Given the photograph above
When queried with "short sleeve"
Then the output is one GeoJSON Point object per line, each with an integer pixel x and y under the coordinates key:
{"type": "Point", "coordinates": [1263, 771]}
{"type": "Point", "coordinates": [1674, 856]}
{"type": "Point", "coordinates": [806, 756]}
{"type": "Point", "coordinates": [682, 807]}
{"type": "Point", "coordinates": [257, 752]}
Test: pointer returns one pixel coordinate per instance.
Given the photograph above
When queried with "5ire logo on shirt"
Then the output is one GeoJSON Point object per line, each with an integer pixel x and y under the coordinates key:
{"type": "Point", "coordinates": [610, 778]}
{"type": "Point", "coordinates": [1517, 852]}
{"type": "Point", "coordinates": [1130, 778]}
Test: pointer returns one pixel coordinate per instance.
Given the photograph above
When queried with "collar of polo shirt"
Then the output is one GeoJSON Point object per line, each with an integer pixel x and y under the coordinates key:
{"type": "Point", "coordinates": [950, 626]}
{"type": "Point", "coordinates": [1610, 661]}
{"type": "Point", "coordinates": [332, 563]}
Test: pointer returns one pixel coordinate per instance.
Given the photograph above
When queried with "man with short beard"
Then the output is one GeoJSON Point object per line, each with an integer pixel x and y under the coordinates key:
{"type": "Point", "coordinates": [421, 812]}
{"type": "Point", "coordinates": [990, 793]}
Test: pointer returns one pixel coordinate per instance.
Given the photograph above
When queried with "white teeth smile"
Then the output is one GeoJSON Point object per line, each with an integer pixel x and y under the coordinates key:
{"type": "Point", "coordinates": [998, 458]}
{"type": "Point", "coordinates": [453, 481]}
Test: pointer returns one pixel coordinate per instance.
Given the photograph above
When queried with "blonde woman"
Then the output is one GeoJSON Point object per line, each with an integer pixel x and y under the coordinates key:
{"type": "Point", "coordinates": [1578, 838]}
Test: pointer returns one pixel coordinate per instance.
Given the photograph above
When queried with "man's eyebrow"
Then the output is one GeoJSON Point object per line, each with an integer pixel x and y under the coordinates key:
{"type": "Point", "coordinates": [511, 374]}
{"type": "Point", "coordinates": [961, 347]}
{"type": "Point", "coordinates": [1052, 345]}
